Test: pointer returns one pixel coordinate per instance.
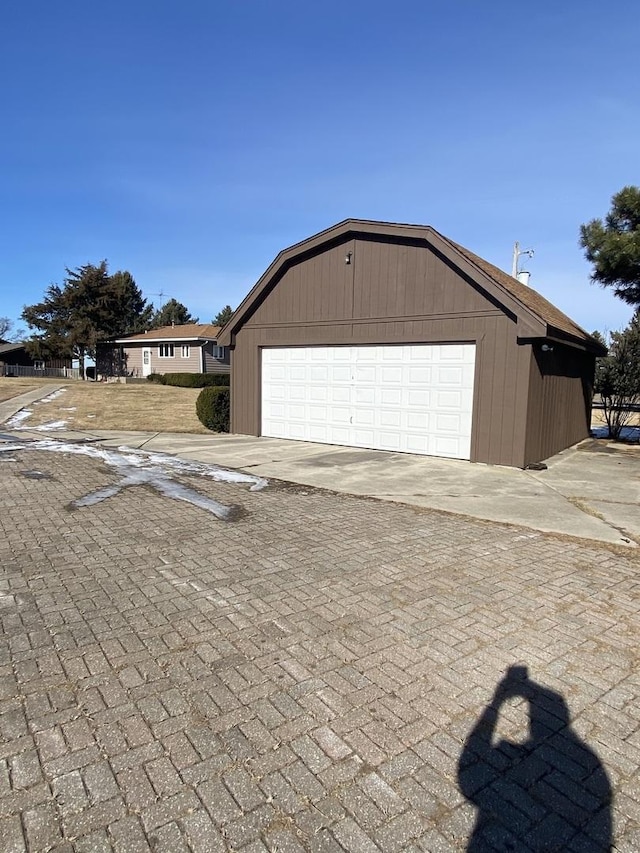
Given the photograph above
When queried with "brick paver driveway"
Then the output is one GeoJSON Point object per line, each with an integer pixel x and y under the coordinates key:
{"type": "Point", "coordinates": [323, 673]}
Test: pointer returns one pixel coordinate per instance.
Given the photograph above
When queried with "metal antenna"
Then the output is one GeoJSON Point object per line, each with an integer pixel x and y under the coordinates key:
{"type": "Point", "coordinates": [161, 295]}
{"type": "Point", "coordinates": [517, 254]}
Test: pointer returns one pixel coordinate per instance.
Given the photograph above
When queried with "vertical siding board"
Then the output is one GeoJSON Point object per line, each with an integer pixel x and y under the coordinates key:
{"type": "Point", "coordinates": [559, 402]}
{"type": "Point", "coordinates": [521, 401]}
{"type": "Point", "coordinates": [485, 377]}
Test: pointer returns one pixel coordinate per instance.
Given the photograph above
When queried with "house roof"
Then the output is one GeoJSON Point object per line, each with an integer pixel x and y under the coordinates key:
{"type": "Point", "coordinates": [11, 347]}
{"type": "Point", "coordinates": [187, 332]}
{"type": "Point", "coordinates": [537, 317]}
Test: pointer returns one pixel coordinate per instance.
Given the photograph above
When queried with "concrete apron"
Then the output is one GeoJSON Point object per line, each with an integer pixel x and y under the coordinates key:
{"type": "Point", "coordinates": [584, 493]}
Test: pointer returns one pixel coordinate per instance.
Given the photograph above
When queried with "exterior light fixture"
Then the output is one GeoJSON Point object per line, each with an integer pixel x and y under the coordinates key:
{"type": "Point", "coordinates": [347, 258]}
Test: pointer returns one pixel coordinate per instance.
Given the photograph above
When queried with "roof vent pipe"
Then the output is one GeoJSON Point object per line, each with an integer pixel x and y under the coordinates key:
{"type": "Point", "coordinates": [523, 277]}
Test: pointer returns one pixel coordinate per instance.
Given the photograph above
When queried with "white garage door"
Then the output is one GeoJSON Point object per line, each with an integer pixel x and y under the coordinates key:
{"type": "Point", "coordinates": [414, 399]}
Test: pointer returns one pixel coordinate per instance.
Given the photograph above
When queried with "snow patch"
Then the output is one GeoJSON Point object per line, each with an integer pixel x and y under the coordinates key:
{"type": "Point", "coordinates": [52, 426]}
{"type": "Point", "coordinates": [53, 396]}
{"type": "Point", "coordinates": [15, 421]}
{"type": "Point", "coordinates": [140, 468]}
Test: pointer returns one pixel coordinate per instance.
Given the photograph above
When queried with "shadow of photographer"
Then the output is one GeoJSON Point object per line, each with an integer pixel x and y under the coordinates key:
{"type": "Point", "coordinates": [547, 792]}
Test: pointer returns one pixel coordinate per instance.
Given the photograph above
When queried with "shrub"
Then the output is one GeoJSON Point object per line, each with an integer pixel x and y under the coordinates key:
{"type": "Point", "coordinates": [212, 408]}
{"type": "Point", "coordinates": [618, 378]}
{"type": "Point", "coordinates": [196, 380]}
{"type": "Point", "coordinates": [156, 377]}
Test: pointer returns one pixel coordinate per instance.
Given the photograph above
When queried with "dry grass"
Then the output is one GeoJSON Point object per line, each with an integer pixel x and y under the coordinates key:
{"type": "Point", "coordinates": [597, 419]}
{"type": "Point", "coordinates": [14, 386]}
{"type": "Point", "coordinates": [144, 407]}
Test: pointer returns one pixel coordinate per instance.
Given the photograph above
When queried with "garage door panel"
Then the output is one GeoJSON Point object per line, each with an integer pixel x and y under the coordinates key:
{"type": "Point", "coordinates": [417, 444]}
{"type": "Point", "coordinates": [448, 423]}
{"type": "Point", "coordinates": [296, 431]}
{"type": "Point", "coordinates": [391, 375]}
{"type": "Point", "coordinates": [452, 352]}
{"type": "Point", "coordinates": [364, 417]}
{"type": "Point", "coordinates": [419, 376]}
{"type": "Point", "coordinates": [340, 394]}
{"type": "Point", "coordinates": [365, 373]}
{"type": "Point", "coordinates": [278, 392]}
{"type": "Point", "coordinates": [414, 398]}
{"type": "Point", "coordinates": [390, 419]}
{"type": "Point", "coordinates": [449, 400]}
{"type": "Point", "coordinates": [318, 432]}
{"type": "Point", "coordinates": [340, 415]}
{"type": "Point", "coordinates": [449, 376]}
{"type": "Point", "coordinates": [364, 396]}
{"type": "Point", "coordinates": [390, 441]}
{"type": "Point", "coordinates": [341, 435]}
{"type": "Point", "coordinates": [363, 437]}
{"type": "Point", "coordinates": [341, 373]}
{"type": "Point", "coordinates": [418, 421]}
{"type": "Point", "coordinates": [418, 399]}
{"type": "Point", "coordinates": [390, 397]}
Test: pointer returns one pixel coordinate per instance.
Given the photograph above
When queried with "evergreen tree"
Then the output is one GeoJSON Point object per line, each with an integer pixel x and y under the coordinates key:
{"type": "Point", "coordinates": [223, 316]}
{"type": "Point", "coordinates": [172, 313]}
{"type": "Point", "coordinates": [92, 306]}
{"type": "Point", "coordinates": [613, 246]}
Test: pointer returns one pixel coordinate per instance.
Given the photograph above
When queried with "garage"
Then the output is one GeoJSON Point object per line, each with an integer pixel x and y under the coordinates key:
{"type": "Point", "coordinates": [412, 399]}
{"type": "Point", "coordinates": [394, 337]}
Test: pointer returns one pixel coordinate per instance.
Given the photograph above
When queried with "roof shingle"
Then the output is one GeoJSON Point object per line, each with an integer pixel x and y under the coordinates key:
{"type": "Point", "coordinates": [189, 331]}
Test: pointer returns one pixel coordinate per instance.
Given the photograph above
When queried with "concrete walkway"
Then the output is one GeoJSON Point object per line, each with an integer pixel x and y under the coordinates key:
{"type": "Point", "coordinates": [585, 492]}
{"type": "Point", "coordinates": [10, 407]}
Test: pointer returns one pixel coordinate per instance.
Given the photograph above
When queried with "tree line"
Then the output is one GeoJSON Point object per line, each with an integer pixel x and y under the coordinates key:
{"type": "Point", "coordinates": [93, 305]}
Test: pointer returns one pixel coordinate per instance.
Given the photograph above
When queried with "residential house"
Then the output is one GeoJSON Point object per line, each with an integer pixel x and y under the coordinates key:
{"type": "Point", "coordinates": [190, 348]}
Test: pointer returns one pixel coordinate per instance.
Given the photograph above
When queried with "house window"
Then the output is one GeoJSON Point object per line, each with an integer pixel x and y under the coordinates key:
{"type": "Point", "coordinates": [218, 352]}
{"type": "Point", "coordinates": [186, 350]}
{"type": "Point", "coordinates": [165, 350]}
{"type": "Point", "coordinates": [38, 365]}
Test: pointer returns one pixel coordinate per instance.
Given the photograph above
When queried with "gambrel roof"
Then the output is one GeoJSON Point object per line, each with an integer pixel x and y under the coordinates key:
{"type": "Point", "coordinates": [535, 315]}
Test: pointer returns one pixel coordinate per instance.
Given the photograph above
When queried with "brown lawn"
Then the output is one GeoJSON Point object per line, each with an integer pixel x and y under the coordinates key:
{"type": "Point", "coordinates": [12, 387]}
{"type": "Point", "coordinates": [144, 407]}
{"type": "Point", "coordinates": [597, 419]}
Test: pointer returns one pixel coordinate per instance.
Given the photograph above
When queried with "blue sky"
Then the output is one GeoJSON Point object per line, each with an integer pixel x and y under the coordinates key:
{"type": "Point", "coordinates": [189, 142]}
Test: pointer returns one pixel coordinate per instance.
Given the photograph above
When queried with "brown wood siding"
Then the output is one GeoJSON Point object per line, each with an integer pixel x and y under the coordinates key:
{"type": "Point", "coordinates": [560, 396]}
{"type": "Point", "coordinates": [391, 293]}
{"type": "Point", "coordinates": [392, 280]}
